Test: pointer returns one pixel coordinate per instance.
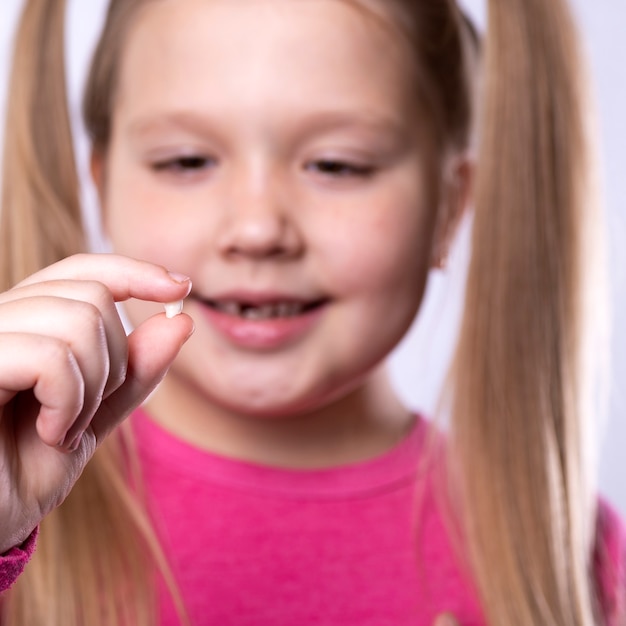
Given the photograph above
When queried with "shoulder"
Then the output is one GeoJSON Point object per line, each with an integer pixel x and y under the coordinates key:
{"type": "Point", "coordinates": [610, 563]}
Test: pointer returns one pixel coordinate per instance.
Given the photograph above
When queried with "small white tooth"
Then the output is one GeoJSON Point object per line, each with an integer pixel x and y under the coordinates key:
{"type": "Point", "coordinates": [251, 313]}
{"type": "Point", "coordinates": [263, 312]}
{"type": "Point", "coordinates": [172, 309]}
{"type": "Point", "coordinates": [294, 309]}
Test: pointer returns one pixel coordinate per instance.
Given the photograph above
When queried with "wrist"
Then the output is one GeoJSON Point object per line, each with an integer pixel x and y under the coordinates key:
{"type": "Point", "coordinates": [17, 541]}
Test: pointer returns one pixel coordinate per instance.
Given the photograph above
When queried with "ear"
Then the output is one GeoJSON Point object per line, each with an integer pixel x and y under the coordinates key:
{"type": "Point", "coordinates": [455, 198]}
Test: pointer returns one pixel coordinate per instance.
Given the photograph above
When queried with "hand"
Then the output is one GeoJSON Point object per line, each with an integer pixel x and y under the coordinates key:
{"type": "Point", "coordinates": [445, 619]}
{"type": "Point", "coordinates": [69, 374]}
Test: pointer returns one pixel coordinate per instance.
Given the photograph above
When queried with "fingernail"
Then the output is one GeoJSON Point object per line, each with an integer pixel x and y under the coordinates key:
{"type": "Point", "coordinates": [179, 278]}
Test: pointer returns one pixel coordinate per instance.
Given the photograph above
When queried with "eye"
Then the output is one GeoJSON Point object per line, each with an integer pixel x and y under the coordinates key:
{"type": "Point", "coordinates": [188, 164]}
{"type": "Point", "coordinates": [336, 168]}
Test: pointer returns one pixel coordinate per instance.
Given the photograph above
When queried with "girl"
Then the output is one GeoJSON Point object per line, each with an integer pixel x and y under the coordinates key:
{"type": "Point", "coordinates": [305, 164]}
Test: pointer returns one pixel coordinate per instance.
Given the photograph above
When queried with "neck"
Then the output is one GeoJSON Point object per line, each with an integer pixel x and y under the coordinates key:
{"type": "Point", "coordinates": [364, 423]}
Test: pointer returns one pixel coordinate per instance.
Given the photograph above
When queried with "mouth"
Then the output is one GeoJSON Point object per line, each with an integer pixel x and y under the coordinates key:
{"type": "Point", "coordinates": [261, 311]}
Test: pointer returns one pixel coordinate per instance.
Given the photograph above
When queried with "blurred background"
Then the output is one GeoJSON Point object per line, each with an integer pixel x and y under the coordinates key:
{"type": "Point", "coordinates": [419, 364]}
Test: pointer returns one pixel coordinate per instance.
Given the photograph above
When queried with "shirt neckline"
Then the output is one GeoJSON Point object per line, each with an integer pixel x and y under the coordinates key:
{"type": "Point", "coordinates": [161, 449]}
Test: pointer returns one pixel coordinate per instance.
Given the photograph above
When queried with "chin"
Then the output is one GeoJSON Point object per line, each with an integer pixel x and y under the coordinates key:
{"type": "Point", "coordinates": [268, 408]}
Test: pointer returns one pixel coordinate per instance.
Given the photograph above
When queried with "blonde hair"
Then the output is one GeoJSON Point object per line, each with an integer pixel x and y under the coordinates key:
{"type": "Point", "coordinates": [519, 463]}
{"type": "Point", "coordinates": [520, 382]}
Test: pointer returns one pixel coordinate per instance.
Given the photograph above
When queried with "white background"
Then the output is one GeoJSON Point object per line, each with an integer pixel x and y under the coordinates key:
{"type": "Point", "coordinates": [419, 364]}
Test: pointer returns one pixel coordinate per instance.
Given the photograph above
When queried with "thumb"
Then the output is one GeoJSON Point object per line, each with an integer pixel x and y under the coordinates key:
{"type": "Point", "coordinates": [151, 349]}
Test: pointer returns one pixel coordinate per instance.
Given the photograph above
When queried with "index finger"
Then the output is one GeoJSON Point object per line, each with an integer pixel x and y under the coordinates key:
{"type": "Point", "coordinates": [123, 276]}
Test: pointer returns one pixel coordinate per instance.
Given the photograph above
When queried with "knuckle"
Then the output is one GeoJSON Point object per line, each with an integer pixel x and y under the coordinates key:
{"type": "Point", "coordinates": [88, 444]}
{"type": "Point", "coordinates": [58, 356]}
{"type": "Point", "coordinates": [98, 294]}
{"type": "Point", "coordinates": [59, 352]}
{"type": "Point", "coordinates": [90, 317]}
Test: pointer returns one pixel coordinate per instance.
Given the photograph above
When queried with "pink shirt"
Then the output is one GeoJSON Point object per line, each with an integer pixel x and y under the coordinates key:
{"type": "Point", "coordinates": [260, 546]}
{"type": "Point", "coordinates": [254, 545]}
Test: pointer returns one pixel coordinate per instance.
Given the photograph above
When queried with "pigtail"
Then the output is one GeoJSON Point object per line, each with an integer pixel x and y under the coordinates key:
{"type": "Point", "coordinates": [520, 402]}
{"type": "Point", "coordinates": [41, 217]}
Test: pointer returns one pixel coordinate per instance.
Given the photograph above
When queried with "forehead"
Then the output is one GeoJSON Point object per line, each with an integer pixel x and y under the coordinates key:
{"type": "Point", "coordinates": [182, 51]}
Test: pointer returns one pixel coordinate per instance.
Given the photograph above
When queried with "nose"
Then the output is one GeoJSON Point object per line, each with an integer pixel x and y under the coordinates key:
{"type": "Point", "coordinates": [258, 223]}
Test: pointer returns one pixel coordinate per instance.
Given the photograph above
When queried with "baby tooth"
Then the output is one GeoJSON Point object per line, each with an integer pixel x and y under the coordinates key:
{"type": "Point", "coordinates": [172, 309]}
{"type": "Point", "coordinates": [249, 313]}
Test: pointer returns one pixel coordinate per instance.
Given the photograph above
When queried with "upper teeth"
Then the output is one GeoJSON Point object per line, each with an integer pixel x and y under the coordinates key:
{"type": "Point", "coordinates": [260, 312]}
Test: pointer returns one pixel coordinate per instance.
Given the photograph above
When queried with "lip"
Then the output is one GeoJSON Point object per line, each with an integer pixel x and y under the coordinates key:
{"type": "Point", "coordinates": [262, 334]}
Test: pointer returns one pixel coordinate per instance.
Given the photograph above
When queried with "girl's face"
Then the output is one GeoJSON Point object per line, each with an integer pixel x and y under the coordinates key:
{"type": "Point", "coordinates": [273, 151]}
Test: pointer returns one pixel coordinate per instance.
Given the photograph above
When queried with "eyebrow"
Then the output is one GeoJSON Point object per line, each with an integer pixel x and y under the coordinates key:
{"type": "Point", "coordinates": [337, 119]}
{"type": "Point", "coordinates": [315, 122]}
{"type": "Point", "coordinates": [156, 121]}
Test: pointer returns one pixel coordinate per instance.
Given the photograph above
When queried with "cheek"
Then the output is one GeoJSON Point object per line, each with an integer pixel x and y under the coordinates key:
{"type": "Point", "coordinates": [132, 207]}
{"type": "Point", "coordinates": [138, 234]}
{"type": "Point", "coordinates": [143, 223]}
{"type": "Point", "coordinates": [387, 252]}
